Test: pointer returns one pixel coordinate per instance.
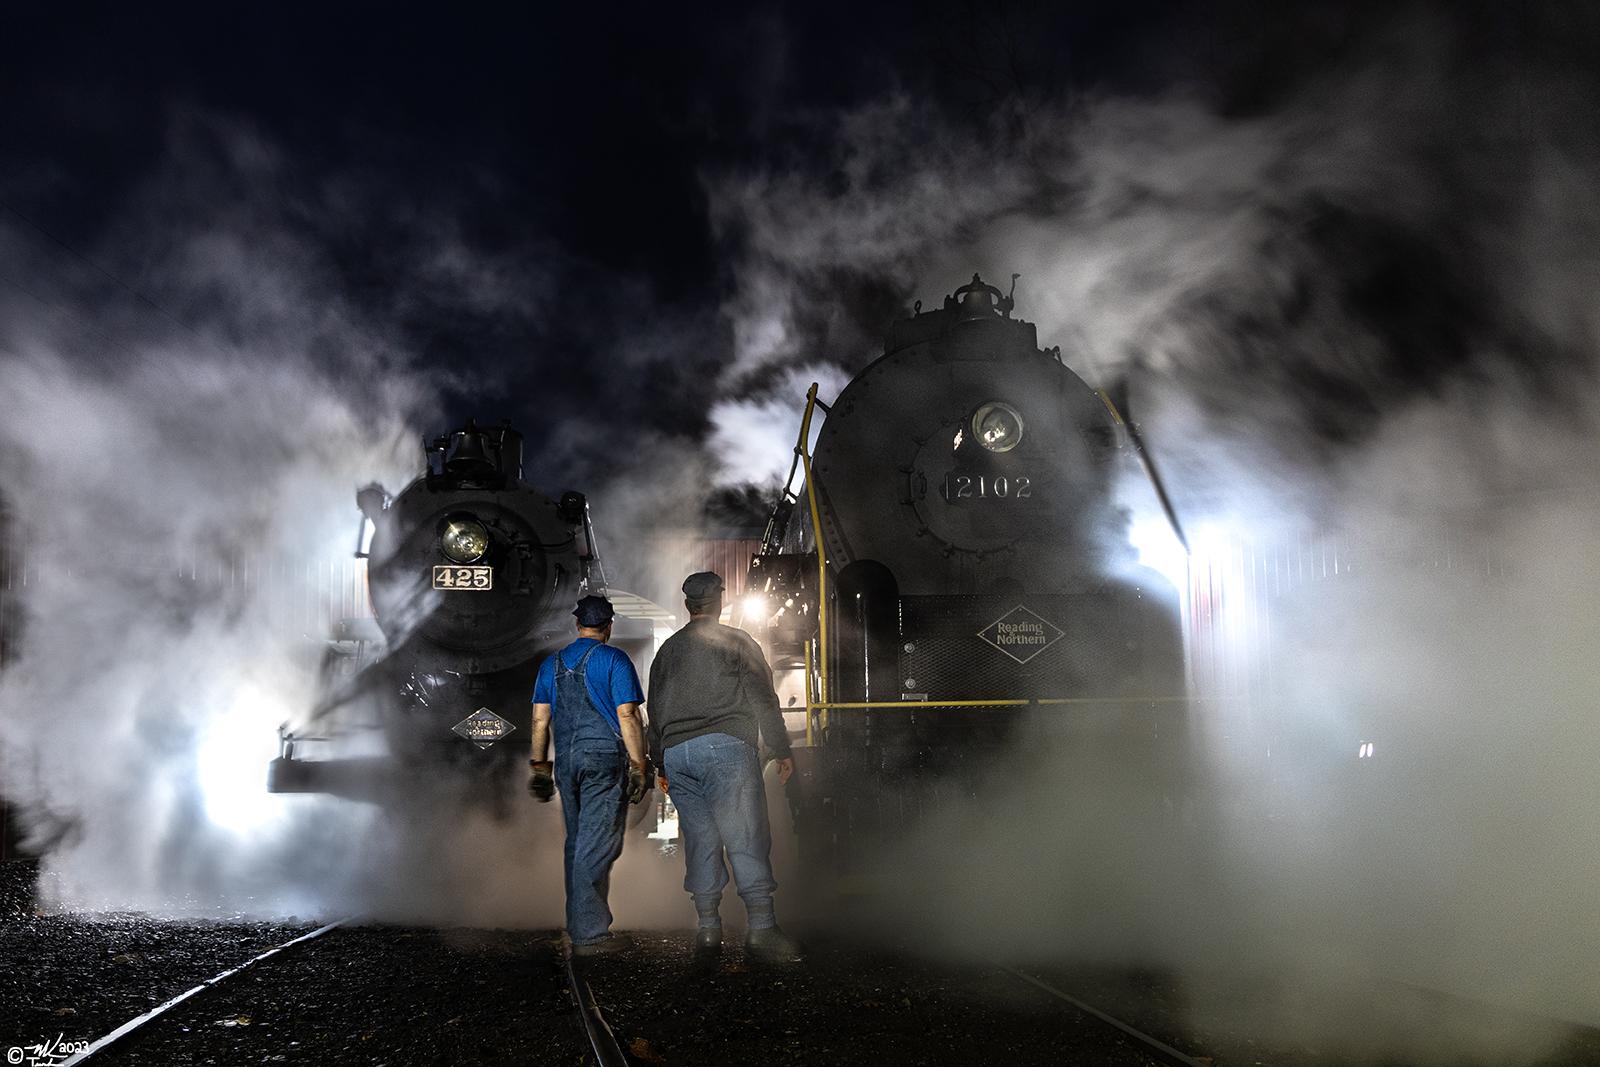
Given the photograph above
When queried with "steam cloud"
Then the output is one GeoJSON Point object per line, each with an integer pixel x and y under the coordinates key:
{"type": "Point", "coordinates": [1369, 313]}
{"type": "Point", "coordinates": [179, 466]}
{"type": "Point", "coordinates": [1366, 317]}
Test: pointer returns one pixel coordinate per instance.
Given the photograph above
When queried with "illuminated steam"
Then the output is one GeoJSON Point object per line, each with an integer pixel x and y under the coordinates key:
{"type": "Point", "coordinates": [182, 481]}
{"type": "Point", "coordinates": [1350, 323]}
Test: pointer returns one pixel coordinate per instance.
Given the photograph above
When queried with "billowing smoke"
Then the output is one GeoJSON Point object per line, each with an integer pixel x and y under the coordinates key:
{"type": "Point", "coordinates": [1362, 321]}
{"type": "Point", "coordinates": [186, 409]}
{"type": "Point", "coordinates": [172, 483]}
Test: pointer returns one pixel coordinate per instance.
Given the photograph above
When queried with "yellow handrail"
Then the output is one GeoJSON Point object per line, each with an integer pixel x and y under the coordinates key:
{"type": "Point", "coordinates": [809, 703]}
{"type": "Point", "coordinates": [1002, 703]}
{"type": "Point", "coordinates": [803, 450]}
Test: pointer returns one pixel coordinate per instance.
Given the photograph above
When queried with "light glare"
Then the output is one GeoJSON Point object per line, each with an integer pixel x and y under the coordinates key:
{"type": "Point", "coordinates": [1160, 550]}
{"type": "Point", "coordinates": [233, 764]}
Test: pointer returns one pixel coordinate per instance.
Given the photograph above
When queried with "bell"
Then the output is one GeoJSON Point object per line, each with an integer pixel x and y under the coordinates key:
{"type": "Point", "coordinates": [977, 300]}
{"type": "Point", "coordinates": [467, 454]}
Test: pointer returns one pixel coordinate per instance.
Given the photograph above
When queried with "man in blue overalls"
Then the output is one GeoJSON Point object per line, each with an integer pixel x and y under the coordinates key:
{"type": "Point", "coordinates": [590, 693]}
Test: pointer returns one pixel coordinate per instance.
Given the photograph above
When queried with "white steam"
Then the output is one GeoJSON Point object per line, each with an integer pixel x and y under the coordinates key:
{"type": "Point", "coordinates": [1291, 383]}
{"type": "Point", "coordinates": [156, 662]}
{"type": "Point", "coordinates": [754, 439]}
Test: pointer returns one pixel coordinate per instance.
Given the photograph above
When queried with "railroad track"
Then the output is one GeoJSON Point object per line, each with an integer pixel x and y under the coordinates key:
{"type": "Point", "coordinates": [1156, 1047]}
{"type": "Point", "coordinates": [607, 1052]}
{"type": "Point", "coordinates": [804, 984]}
{"type": "Point", "coordinates": [596, 1031]}
{"type": "Point", "coordinates": [133, 1025]}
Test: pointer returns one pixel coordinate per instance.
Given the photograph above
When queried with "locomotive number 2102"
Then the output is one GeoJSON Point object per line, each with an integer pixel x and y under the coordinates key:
{"type": "Point", "coordinates": [982, 487]}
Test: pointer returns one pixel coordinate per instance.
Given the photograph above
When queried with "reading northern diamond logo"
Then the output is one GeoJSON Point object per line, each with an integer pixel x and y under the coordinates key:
{"type": "Point", "coordinates": [1020, 634]}
{"type": "Point", "coordinates": [483, 728]}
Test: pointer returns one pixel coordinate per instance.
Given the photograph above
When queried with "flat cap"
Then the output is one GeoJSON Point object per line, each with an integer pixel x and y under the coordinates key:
{"type": "Point", "coordinates": [702, 586]}
{"type": "Point", "coordinates": [594, 611]}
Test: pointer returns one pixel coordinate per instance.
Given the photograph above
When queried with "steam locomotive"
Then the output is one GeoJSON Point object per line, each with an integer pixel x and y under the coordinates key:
{"type": "Point", "coordinates": [473, 574]}
{"type": "Point", "coordinates": [954, 572]}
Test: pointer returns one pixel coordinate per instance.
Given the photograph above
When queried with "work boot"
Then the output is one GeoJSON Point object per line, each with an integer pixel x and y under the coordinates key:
{"type": "Point", "coordinates": [708, 942]}
{"type": "Point", "coordinates": [772, 944]}
{"type": "Point", "coordinates": [612, 943]}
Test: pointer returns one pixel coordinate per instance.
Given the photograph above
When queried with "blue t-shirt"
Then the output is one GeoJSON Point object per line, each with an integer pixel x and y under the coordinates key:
{"type": "Point", "coordinates": [610, 676]}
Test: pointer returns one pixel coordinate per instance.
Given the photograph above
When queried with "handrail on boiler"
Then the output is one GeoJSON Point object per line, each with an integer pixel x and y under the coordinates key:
{"type": "Point", "coordinates": [914, 704]}
{"type": "Point", "coordinates": [803, 455]}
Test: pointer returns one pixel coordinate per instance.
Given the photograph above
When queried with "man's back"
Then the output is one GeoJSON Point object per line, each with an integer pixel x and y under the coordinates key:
{"type": "Point", "coordinates": [710, 678]}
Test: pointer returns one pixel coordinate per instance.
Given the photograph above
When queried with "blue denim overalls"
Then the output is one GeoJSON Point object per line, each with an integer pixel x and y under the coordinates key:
{"type": "Point", "coordinates": [592, 774]}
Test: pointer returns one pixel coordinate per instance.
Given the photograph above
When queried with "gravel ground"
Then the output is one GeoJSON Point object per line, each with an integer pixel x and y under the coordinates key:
{"type": "Point", "coordinates": [843, 1006]}
{"type": "Point", "coordinates": [379, 995]}
{"type": "Point", "coordinates": [412, 996]}
{"type": "Point", "coordinates": [1339, 1024]}
{"type": "Point", "coordinates": [77, 978]}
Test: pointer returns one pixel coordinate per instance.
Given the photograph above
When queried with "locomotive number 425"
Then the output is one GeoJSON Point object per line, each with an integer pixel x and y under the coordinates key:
{"type": "Point", "coordinates": [473, 579]}
{"type": "Point", "coordinates": [982, 487]}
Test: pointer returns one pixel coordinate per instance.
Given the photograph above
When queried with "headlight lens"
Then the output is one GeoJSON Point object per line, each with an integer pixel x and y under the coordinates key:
{"type": "Point", "coordinates": [997, 426]}
{"type": "Point", "coordinates": [464, 540]}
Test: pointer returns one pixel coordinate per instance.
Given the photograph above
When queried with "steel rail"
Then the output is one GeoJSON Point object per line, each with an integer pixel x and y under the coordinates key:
{"type": "Point", "coordinates": [1158, 1047]}
{"type": "Point", "coordinates": [133, 1024]}
{"type": "Point", "coordinates": [607, 1052]}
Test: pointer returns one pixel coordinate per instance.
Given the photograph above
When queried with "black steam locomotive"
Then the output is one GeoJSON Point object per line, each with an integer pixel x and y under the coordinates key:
{"type": "Point", "coordinates": [473, 574]}
{"type": "Point", "coordinates": [955, 572]}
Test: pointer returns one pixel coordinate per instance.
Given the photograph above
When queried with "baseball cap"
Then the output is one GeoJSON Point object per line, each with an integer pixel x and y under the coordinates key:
{"type": "Point", "coordinates": [594, 611]}
{"type": "Point", "coordinates": [702, 586]}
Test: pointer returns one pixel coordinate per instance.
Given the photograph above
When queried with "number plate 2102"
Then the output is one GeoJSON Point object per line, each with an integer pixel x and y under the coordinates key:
{"type": "Point", "coordinates": [983, 487]}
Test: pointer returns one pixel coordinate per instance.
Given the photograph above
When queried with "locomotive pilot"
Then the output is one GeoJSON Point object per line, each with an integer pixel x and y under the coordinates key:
{"type": "Point", "coordinates": [588, 694]}
{"type": "Point", "coordinates": [710, 692]}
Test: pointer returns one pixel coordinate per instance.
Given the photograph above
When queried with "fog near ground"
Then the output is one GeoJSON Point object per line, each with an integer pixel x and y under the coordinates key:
{"type": "Point", "coordinates": [1366, 316]}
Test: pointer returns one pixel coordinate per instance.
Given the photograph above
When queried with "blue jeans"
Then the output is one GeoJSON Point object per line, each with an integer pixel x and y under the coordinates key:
{"type": "Point", "coordinates": [593, 784]}
{"type": "Point", "coordinates": [715, 782]}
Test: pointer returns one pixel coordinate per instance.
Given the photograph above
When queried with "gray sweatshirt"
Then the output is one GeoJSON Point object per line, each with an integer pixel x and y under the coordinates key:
{"type": "Point", "coordinates": [712, 679]}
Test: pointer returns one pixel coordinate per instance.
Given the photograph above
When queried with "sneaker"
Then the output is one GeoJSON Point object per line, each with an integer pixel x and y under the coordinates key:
{"type": "Point", "coordinates": [708, 941]}
{"type": "Point", "coordinates": [772, 944]}
{"type": "Point", "coordinates": [612, 943]}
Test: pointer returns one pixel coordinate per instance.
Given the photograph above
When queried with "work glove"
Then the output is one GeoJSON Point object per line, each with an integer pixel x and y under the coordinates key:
{"type": "Point", "coordinates": [639, 775]}
{"type": "Point", "coordinates": [543, 783]}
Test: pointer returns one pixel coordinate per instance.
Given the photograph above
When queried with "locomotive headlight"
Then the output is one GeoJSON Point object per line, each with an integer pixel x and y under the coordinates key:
{"type": "Point", "coordinates": [464, 539]}
{"type": "Point", "coordinates": [997, 426]}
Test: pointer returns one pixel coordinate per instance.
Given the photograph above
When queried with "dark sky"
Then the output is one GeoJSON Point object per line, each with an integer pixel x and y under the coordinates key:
{"type": "Point", "coordinates": [600, 117]}
{"type": "Point", "coordinates": [575, 137]}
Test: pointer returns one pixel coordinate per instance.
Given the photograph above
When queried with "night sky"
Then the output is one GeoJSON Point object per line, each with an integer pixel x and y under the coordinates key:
{"type": "Point", "coordinates": [569, 145]}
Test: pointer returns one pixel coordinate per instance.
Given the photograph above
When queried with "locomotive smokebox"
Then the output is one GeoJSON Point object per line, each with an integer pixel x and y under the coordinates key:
{"type": "Point", "coordinates": [471, 564]}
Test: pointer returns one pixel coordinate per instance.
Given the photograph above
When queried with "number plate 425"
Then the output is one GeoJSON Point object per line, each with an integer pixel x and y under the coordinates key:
{"type": "Point", "coordinates": [985, 487]}
{"type": "Point", "coordinates": [469, 579]}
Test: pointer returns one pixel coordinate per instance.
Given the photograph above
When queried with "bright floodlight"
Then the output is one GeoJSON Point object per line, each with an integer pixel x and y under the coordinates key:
{"type": "Point", "coordinates": [998, 426]}
{"type": "Point", "coordinates": [465, 540]}
{"type": "Point", "coordinates": [232, 763]}
{"type": "Point", "coordinates": [755, 606]}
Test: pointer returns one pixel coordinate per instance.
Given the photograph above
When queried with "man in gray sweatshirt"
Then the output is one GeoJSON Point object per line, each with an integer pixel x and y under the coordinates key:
{"type": "Point", "coordinates": [710, 693]}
